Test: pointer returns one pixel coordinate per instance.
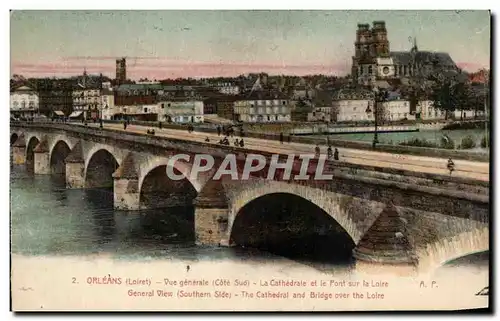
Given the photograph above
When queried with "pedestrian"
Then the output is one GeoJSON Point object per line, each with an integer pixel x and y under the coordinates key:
{"type": "Point", "coordinates": [218, 130]}
{"type": "Point", "coordinates": [125, 125]}
{"type": "Point", "coordinates": [336, 154]}
{"type": "Point", "coordinates": [317, 151]}
{"type": "Point", "coordinates": [242, 144]}
{"type": "Point", "coordinates": [159, 125]}
{"type": "Point", "coordinates": [451, 165]}
{"type": "Point", "coordinates": [329, 152]}
{"type": "Point", "coordinates": [281, 137]}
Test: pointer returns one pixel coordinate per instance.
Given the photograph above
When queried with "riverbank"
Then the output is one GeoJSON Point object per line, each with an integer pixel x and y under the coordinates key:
{"type": "Point", "coordinates": [478, 124]}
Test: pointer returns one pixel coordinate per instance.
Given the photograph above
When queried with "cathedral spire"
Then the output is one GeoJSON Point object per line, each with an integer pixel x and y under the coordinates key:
{"type": "Point", "coordinates": [84, 76]}
{"type": "Point", "coordinates": [415, 48]}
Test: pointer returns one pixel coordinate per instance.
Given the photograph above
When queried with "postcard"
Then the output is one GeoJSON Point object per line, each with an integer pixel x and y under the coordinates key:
{"type": "Point", "coordinates": [250, 160]}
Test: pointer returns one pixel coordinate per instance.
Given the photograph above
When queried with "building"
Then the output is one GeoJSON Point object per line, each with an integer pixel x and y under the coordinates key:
{"type": "Point", "coordinates": [86, 97]}
{"type": "Point", "coordinates": [262, 106]}
{"type": "Point", "coordinates": [24, 102]}
{"type": "Point", "coordinates": [142, 112]}
{"type": "Point", "coordinates": [466, 114]}
{"type": "Point", "coordinates": [137, 94]}
{"type": "Point", "coordinates": [221, 105]}
{"type": "Point", "coordinates": [322, 109]}
{"type": "Point", "coordinates": [181, 110]}
{"type": "Point", "coordinates": [396, 110]}
{"type": "Point", "coordinates": [300, 92]}
{"type": "Point", "coordinates": [121, 70]}
{"type": "Point", "coordinates": [108, 107]}
{"type": "Point", "coordinates": [426, 110]}
{"type": "Point", "coordinates": [55, 97]}
{"type": "Point", "coordinates": [227, 88]}
{"type": "Point", "coordinates": [373, 60]}
{"type": "Point", "coordinates": [350, 105]}
{"type": "Point", "coordinates": [320, 114]}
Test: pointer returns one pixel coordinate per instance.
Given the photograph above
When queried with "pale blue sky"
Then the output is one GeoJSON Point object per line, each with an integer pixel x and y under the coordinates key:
{"type": "Point", "coordinates": [208, 43]}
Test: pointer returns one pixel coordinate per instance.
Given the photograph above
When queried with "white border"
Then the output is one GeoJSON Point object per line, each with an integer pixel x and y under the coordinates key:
{"type": "Point", "coordinates": [185, 4]}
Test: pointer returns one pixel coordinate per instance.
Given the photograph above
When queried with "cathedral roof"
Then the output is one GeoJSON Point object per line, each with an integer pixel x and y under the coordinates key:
{"type": "Point", "coordinates": [442, 59]}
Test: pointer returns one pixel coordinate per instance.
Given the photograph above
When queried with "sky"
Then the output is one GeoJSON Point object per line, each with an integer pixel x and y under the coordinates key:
{"type": "Point", "coordinates": [172, 44]}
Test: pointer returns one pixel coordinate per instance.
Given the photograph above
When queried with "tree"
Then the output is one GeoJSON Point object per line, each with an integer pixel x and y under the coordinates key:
{"type": "Point", "coordinates": [449, 96]}
{"type": "Point", "coordinates": [462, 93]}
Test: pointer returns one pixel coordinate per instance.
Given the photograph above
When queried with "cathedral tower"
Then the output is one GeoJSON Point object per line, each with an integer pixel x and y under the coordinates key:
{"type": "Point", "coordinates": [380, 41]}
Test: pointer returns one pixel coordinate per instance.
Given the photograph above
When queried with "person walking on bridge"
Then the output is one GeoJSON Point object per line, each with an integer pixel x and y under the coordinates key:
{"type": "Point", "coordinates": [329, 152]}
{"type": "Point", "coordinates": [317, 151]}
{"type": "Point", "coordinates": [451, 165]}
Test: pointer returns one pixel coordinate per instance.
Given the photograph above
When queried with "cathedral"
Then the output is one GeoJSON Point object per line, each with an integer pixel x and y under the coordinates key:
{"type": "Point", "coordinates": [373, 62]}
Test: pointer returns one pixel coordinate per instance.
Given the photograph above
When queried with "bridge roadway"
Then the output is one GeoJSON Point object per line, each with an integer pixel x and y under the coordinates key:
{"type": "Point", "coordinates": [432, 165]}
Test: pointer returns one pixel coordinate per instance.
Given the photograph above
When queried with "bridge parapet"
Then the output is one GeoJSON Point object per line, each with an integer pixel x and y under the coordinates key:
{"type": "Point", "coordinates": [158, 145]}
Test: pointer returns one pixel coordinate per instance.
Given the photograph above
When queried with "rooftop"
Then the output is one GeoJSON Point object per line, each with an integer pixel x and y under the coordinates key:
{"type": "Point", "coordinates": [353, 94]}
{"type": "Point", "coordinates": [261, 95]}
{"type": "Point", "coordinates": [425, 57]}
{"type": "Point", "coordinates": [23, 88]}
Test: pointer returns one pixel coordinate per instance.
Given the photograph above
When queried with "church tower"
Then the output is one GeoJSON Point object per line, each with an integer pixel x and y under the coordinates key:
{"type": "Point", "coordinates": [380, 41]}
{"type": "Point", "coordinates": [363, 54]}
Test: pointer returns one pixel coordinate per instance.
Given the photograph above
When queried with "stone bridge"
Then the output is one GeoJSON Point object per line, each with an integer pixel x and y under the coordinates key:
{"type": "Point", "coordinates": [392, 218]}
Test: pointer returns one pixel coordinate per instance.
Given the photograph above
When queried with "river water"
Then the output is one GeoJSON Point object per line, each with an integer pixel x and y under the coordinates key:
{"type": "Point", "coordinates": [47, 219]}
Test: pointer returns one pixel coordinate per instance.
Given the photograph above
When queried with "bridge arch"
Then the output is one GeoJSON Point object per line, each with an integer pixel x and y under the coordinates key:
{"type": "Point", "coordinates": [100, 165]}
{"type": "Point", "coordinates": [443, 251]}
{"type": "Point", "coordinates": [31, 144]}
{"type": "Point", "coordinates": [330, 203]}
{"type": "Point", "coordinates": [28, 136]}
{"type": "Point", "coordinates": [89, 153]}
{"type": "Point", "coordinates": [183, 168]}
{"type": "Point", "coordinates": [58, 139]}
{"type": "Point", "coordinates": [156, 188]}
{"type": "Point", "coordinates": [13, 138]}
{"type": "Point", "coordinates": [293, 226]}
{"type": "Point", "coordinates": [59, 152]}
